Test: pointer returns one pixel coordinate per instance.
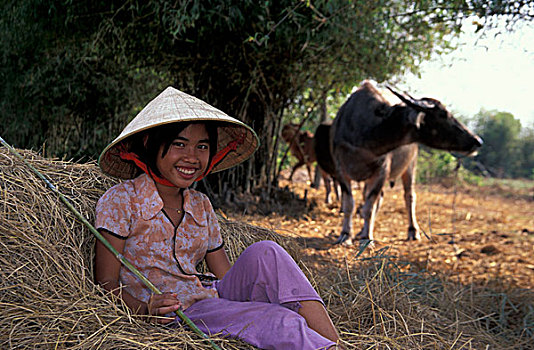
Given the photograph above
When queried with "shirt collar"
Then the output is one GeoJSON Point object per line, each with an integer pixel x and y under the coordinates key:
{"type": "Point", "coordinates": [197, 215]}
{"type": "Point", "coordinates": [152, 203]}
{"type": "Point", "coordinates": [148, 196]}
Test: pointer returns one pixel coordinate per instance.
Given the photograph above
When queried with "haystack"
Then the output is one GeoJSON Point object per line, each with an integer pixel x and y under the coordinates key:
{"type": "Point", "coordinates": [47, 295]}
{"type": "Point", "coordinates": [48, 298]}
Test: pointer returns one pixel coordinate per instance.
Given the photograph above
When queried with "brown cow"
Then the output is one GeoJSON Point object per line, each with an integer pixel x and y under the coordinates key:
{"type": "Point", "coordinates": [374, 141]}
{"type": "Point", "coordinates": [302, 147]}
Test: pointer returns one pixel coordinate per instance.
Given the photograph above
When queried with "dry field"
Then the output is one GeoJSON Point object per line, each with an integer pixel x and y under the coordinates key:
{"type": "Point", "coordinates": [471, 235]}
{"type": "Point", "coordinates": [473, 268]}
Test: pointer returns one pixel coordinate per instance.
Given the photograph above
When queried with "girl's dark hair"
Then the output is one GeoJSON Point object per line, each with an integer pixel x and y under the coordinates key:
{"type": "Point", "coordinates": [147, 144]}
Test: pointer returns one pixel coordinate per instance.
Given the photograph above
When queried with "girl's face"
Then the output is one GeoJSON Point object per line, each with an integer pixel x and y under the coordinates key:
{"type": "Point", "coordinates": [187, 157]}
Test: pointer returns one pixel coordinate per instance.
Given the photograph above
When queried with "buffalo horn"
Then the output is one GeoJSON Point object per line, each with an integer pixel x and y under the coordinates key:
{"type": "Point", "coordinates": [412, 102]}
{"type": "Point", "coordinates": [406, 99]}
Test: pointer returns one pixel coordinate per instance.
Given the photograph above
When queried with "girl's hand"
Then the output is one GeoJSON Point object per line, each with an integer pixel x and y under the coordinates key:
{"type": "Point", "coordinates": [162, 304]}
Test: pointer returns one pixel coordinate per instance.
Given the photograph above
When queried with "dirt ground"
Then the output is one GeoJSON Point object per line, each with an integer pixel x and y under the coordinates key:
{"type": "Point", "coordinates": [471, 235]}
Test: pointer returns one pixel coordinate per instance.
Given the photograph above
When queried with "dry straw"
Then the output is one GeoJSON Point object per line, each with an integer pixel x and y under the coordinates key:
{"type": "Point", "coordinates": [48, 299]}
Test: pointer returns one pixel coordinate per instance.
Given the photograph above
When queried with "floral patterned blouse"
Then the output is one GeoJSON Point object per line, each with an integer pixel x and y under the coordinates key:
{"type": "Point", "coordinates": [166, 255]}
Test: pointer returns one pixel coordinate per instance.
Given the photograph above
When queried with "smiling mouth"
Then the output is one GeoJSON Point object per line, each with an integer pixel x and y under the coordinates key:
{"type": "Point", "coordinates": [186, 171]}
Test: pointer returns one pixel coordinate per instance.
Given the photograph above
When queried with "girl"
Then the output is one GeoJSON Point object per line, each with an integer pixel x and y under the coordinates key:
{"type": "Point", "coordinates": [166, 229]}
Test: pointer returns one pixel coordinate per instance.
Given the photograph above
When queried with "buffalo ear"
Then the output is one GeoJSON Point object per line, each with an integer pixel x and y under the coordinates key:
{"type": "Point", "coordinates": [419, 119]}
{"type": "Point", "coordinates": [415, 118]}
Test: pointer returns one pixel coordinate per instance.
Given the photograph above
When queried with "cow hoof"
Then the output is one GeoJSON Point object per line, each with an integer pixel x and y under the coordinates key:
{"type": "Point", "coordinates": [343, 237]}
{"type": "Point", "coordinates": [413, 234]}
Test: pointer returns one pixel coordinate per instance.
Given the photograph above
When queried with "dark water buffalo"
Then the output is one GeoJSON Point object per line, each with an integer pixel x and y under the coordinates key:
{"type": "Point", "coordinates": [321, 146]}
{"type": "Point", "coordinates": [374, 141]}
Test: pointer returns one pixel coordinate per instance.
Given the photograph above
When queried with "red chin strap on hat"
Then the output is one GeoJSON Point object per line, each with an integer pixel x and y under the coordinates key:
{"type": "Point", "coordinates": [219, 156]}
{"type": "Point", "coordinates": [124, 154]}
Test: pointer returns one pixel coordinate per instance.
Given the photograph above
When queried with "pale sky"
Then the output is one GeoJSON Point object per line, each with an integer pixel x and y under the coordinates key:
{"type": "Point", "coordinates": [495, 72]}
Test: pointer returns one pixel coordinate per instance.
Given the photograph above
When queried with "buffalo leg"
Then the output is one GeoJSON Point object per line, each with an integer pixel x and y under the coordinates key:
{"type": "Point", "coordinates": [408, 182]}
{"type": "Point", "coordinates": [373, 193]}
{"type": "Point", "coordinates": [328, 188]}
{"type": "Point", "coordinates": [335, 184]}
{"type": "Point", "coordinates": [317, 179]}
{"type": "Point", "coordinates": [326, 179]}
{"type": "Point", "coordinates": [347, 205]}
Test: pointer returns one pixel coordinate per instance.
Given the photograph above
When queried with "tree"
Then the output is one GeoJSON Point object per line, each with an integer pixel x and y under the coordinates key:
{"type": "Point", "coordinates": [500, 131]}
{"type": "Point", "coordinates": [526, 155]}
{"type": "Point", "coordinates": [77, 70]}
{"type": "Point", "coordinates": [65, 86]}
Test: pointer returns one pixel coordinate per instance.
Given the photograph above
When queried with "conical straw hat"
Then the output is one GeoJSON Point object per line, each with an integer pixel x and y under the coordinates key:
{"type": "Point", "coordinates": [173, 106]}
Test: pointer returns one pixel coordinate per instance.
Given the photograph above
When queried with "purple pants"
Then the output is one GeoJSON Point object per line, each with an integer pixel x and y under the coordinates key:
{"type": "Point", "coordinates": [258, 300]}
